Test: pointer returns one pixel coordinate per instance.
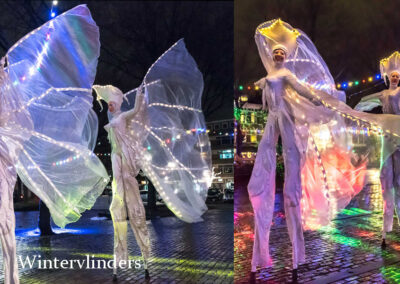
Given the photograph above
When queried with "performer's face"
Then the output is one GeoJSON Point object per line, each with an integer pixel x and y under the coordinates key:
{"type": "Point", "coordinates": [279, 55]}
{"type": "Point", "coordinates": [112, 106]}
{"type": "Point", "coordinates": [394, 78]}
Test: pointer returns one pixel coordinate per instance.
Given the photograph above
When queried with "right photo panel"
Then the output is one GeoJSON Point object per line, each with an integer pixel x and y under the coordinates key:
{"type": "Point", "coordinates": [317, 142]}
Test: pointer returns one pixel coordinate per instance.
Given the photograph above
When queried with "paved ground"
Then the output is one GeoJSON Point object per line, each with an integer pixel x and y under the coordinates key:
{"type": "Point", "coordinates": [181, 253]}
{"type": "Point", "coordinates": [346, 252]}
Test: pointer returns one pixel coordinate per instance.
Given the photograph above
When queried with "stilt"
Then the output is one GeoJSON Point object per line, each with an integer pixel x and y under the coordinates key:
{"type": "Point", "coordinates": [294, 275]}
{"type": "Point", "coordinates": [252, 278]}
{"type": "Point", "coordinates": [383, 245]}
{"type": "Point", "coordinates": [115, 274]}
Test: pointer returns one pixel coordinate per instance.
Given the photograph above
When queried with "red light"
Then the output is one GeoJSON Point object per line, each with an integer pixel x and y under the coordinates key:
{"type": "Point", "coordinates": [168, 141]}
{"type": "Point", "coordinates": [248, 88]}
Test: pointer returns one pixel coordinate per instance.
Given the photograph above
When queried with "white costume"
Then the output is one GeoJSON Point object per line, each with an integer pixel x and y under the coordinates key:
{"type": "Point", "coordinates": [389, 99]}
{"type": "Point", "coordinates": [47, 126]}
{"type": "Point", "coordinates": [317, 131]}
{"type": "Point", "coordinates": [164, 136]}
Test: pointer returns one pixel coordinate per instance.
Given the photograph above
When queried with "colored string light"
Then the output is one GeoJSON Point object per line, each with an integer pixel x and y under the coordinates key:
{"type": "Point", "coordinates": [343, 85]}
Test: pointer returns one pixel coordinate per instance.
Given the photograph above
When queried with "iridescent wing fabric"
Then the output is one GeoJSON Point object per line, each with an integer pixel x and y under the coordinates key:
{"type": "Point", "coordinates": [176, 152]}
{"type": "Point", "coordinates": [52, 70]}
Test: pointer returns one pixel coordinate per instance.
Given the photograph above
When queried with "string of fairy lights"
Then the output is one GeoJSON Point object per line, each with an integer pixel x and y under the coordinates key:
{"type": "Point", "coordinates": [340, 86]}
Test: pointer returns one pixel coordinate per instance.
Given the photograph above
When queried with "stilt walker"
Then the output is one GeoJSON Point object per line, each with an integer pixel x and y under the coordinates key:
{"type": "Point", "coordinates": [158, 128]}
{"type": "Point", "coordinates": [389, 99]}
{"type": "Point", "coordinates": [317, 130]}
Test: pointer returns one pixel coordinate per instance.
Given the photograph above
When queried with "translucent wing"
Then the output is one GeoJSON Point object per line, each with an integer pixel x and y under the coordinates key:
{"type": "Point", "coordinates": [53, 69]}
{"type": "Point", "coordinates": [177, 155]}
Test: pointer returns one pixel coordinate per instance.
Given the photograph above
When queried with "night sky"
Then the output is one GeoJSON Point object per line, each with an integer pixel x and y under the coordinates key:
{"type": "Point", "coordinates": [134, 34]}
{"type": "Point", "coordinates": [351, 36]}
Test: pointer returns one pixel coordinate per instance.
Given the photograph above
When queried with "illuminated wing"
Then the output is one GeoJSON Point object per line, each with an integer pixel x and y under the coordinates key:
{"type": "Point", "coordinates": [176, 148]}
{"type": "Point", "coordinates": [53, 69]}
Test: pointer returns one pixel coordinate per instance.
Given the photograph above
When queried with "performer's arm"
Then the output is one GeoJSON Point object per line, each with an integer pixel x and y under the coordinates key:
{"type": "Point", "coordinates": [262, 84]}
{"type": "Point", "coordinates": [139, 104]}
{"type": "Point", "coordinates": [373, 96]}
{"type": "Point", "coordinates": [300, 88]}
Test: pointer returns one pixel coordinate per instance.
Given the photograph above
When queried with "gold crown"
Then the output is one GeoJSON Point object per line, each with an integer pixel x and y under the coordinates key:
{"type": "Point", "coordinates": [280, 33]}
{"type": "Point", "coordinates": [390, 64]}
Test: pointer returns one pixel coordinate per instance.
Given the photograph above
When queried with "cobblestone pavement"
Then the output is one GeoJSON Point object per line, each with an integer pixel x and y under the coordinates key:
{"type": "Point", "coordinates": [348, 251]}
{"type": "Point", "coordinates": [181, 252]}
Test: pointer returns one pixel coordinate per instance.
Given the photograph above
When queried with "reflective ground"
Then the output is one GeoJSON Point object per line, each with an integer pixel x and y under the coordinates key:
{"type": "Point", "coordinates": [347, 252]}
{"type": "Point", "coordinates": [181, 253]}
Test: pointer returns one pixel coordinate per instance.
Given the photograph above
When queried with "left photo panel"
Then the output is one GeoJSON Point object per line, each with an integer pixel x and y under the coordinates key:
{"type": "Point", "coordinates": [116, 145]}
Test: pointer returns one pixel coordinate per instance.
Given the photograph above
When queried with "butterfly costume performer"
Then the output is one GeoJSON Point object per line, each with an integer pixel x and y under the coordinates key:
{"type": "Point", "coordinates": [47, 124]}
{"type": "Point", "coordinates": [158, 128]}
{"type": "Point", "coordinates": [324, 167]}
{"type": "Point", "coordinates": [389, 99]}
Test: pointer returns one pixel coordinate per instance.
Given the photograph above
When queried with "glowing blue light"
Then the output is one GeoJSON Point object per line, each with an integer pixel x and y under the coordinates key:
{"type": "Point", "coordinates": [344, 85]}
{"type": "Point", "coordinates": [35, 232]}
{"type": "Point", "coordinates": [378, 76]}
{"type": "Point", "coordinates": [53, 14]}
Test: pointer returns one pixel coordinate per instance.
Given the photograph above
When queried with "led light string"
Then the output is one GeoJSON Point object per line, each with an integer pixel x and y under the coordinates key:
{"type": "Point", "coordinates": [378, 130]}
{"type": "Point", "coordinates": [144, 85]}
{"type": "Point", "coordinates": [180, 107]}
{"type": "Point", "coordinates": [154, 63]}
{"type": "Point", "coordinates": [160, 189]}
{"type": "Point", "coordinates": [340, 86]}
{"type": "Point", "coordinates": [163, 144]}
{"type": "Point", "coordinates": [62, 145]}
{"type": "Point", "coordinates": [50, 23]}
{"type": "Point", "coordinates": [322, 168]}
{"type": "Point", "coordinates": [329, 87]}
{"type": "Point", "coordinates": [44, 176]}
{"type": "Point", "coordinates": [44, 94]}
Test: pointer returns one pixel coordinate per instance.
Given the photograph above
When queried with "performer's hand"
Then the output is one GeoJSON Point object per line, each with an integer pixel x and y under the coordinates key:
{"type": "Point", "coordinates": [260, 83]}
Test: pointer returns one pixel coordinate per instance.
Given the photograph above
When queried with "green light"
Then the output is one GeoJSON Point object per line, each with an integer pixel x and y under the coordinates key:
{"type": "Point", "coordinates": [148, 148]}
{"type": "Point", "coordinates": [240, 87]}
{"type": "Point", "coordinates": [356, 83]}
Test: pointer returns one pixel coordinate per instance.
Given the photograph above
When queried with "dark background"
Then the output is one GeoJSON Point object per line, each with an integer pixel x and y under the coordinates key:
{"type": "Point", "coordinates": [351, 36]}
{"type": "Point", "coordinates": [134, 34]}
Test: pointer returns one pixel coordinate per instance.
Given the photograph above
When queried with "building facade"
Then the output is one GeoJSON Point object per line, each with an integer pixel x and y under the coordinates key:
{"type": "Point", "coordinates": [221, 137]}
